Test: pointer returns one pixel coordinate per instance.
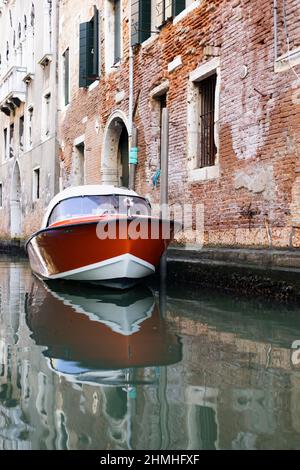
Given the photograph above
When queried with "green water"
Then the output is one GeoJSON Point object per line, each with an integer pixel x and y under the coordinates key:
{"type": "Point", "coordinates": [85, 368]}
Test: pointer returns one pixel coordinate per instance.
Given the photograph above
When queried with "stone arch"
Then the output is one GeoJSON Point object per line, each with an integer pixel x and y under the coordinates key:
{"type": "Point", "coordinates": [15, 203]}
{"type": "Point", "coordinates": [115, 152]}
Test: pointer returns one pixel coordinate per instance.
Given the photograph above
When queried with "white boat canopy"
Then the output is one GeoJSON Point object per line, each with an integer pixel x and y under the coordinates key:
{"type": "Point", "coordinates": [86, 190]}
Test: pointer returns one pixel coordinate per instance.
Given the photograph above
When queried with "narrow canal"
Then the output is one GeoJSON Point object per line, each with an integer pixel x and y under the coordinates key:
{"type": "Point", "coordinates": [99, 369]}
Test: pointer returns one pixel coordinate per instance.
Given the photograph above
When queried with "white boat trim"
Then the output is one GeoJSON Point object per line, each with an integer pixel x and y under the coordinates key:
{"type": "Point", "coordinates": [122, 312]}
{"type": "Point", "coordinates": [124, 266]}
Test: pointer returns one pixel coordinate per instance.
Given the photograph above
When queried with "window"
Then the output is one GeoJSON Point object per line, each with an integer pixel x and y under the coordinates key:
{"type": "Point", "coordinates": [113, 33]}
{"type": "Point", "coordinates": [32, 17]}
{"type": "Point", "coordinates": [47, 114]}
{"type": "Point", "coordinates": [89, 51]}
{"type": "Point", "coordinates": [1, 195]}
{"type": "Point", "coordinates": [179, 6]}
{"type": "Point", "coordinates": [30, 121]}
{"type": "Point", "coordinates": [203, 103]}
{"type": "Point", "coordinates": [21, 133]}
{"type": "Point", "coordinates": [164, 10]}
{"type": "Point", "coordinates": [66, 76]}
{"type": "Point", "coordinates": [78, 164]}
{"type": "Point", "coordinates": [36, 184]}
{"type": "Point", "coordinates": [207, 149]}
{"type": "Point", "coordinates": [5, 142]}
{"type": "Point", "coordinates": [11, 141]}
{"type": "Point", "coordinates": [140, 21]}
{"type": "Point", "coordinates": [146, 15]}
{"type": "Point", "coordinates": [117, 31]}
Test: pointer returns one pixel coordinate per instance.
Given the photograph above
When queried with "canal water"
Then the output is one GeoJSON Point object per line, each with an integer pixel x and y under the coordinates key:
{"type": "Point", "coordinates": [85, 368]}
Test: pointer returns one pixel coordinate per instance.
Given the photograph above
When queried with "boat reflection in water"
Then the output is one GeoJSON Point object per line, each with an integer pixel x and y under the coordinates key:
{"type": "Point", "coordinates": [101, 337]}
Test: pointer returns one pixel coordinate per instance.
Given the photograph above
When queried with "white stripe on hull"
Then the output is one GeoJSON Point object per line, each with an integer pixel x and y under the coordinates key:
{"type": "Point", "coordinates": [124, 266]}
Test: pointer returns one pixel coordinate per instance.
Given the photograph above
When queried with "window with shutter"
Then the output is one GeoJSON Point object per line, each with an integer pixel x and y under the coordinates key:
{"type": "Point", "coordinates": [178, 6]}
{"type": "Point", "coordinates": [140, 21]}
{"type": "Point", "coordinates": [66, 63]}
{"type": "Point", "coordinates": [117, 31]}
{"type": "Point", "coordinates": [164, 11]}
{"type": "Point", "coordinates": [89, 51]}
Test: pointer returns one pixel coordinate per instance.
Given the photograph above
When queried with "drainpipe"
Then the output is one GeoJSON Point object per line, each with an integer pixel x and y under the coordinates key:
{"type": "Point", "coordinates": [57, 182]}
{"type": "Point", "coordinates": [275, 29]}
{"type": "Point", "coordinates": [164, 199]}
{"type": "Point", "coordinates": [132, 131]}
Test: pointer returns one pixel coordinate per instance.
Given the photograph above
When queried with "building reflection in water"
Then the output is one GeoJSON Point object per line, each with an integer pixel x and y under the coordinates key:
{"type": "Point", "coordinates": [91, 369]}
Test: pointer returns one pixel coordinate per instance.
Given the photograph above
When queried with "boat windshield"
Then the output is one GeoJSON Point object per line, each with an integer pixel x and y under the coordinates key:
{"type": "Point", "coordinates": [98, 205]}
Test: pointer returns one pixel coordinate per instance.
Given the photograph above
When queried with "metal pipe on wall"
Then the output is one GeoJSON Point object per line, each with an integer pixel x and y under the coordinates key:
{"type": "Point", "coordinates": [164, 199]}
{"type": "Point", "coordinates": [132, 131]}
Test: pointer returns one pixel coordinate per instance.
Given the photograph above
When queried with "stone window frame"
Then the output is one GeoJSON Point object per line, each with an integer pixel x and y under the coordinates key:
{"type": "Point", "coordinates": [65, 106]}
{"type": "Point", "coordinates": [202, 72]}
{"type": "Point", "coordinates": [109, 30]}
{"type": "Point", "coordinates": [77, 142]}
{"type": "Point", "coordinates": [5, 138]}
{"type": "Point", "coordinates": [36, 188]}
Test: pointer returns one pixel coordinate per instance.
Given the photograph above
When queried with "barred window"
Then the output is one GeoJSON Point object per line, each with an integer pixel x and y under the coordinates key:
{"type": "Point", "coordinates": [207, 150]}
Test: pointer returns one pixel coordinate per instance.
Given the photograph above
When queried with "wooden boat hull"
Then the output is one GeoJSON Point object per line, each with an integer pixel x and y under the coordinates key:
{"type": "Point", "coordinates": [75, 251]}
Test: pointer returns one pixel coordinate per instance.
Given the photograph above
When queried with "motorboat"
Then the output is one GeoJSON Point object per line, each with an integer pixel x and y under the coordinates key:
{"type": "Point", "coordinates": [103, 337]}
{"type": "Point", "coordinates": [99, 233]}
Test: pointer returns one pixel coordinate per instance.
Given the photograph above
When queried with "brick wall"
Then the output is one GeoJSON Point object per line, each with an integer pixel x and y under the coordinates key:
{"type": "Point", "coordinates": [256, 199]}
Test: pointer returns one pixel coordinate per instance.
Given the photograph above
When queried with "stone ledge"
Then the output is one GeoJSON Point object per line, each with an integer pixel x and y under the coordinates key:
{"type": "Point", "coordinates": [273, 274]}
{"type": "Point", "coordinates": [244, 257]}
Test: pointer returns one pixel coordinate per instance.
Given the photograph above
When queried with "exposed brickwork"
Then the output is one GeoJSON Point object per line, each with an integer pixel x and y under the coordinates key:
{"type": "Point", "coordinates": [256, 199]}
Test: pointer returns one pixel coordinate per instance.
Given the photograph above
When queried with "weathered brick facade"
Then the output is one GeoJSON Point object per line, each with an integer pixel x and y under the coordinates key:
{"type": "Point", "coordinates": [254, 198]}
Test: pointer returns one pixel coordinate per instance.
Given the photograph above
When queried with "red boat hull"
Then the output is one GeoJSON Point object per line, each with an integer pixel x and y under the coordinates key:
{"type": "Point", "coordinates": [75, 251]}
{"type": "Point", "coordinates": [73, 336]}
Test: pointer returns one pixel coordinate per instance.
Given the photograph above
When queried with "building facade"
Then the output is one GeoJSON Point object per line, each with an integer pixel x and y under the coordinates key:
{"type": "Point", "coordinates": [99, 73]}
{"type": "Point", "coordinates": [226, 71]}
{"type": "Point", "coordinates": [28, 104]}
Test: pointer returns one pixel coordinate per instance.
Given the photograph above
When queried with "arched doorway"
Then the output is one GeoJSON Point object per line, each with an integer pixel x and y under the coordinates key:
{"type": "Point", "coordinates": [115, 155]}
{"type": "Point", "coordinates": [15, 203]}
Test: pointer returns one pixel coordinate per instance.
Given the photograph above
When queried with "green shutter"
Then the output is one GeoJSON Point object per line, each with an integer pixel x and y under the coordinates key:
{"type": "Point", "coordinates": [145, 20]}
{"type": "Point", "coordinates": [83, 55]}
{"type": "Point", "coordinates": [95, 42]}
{"type": "Point", "coordinates": [178, 6]}
{"type": "Point", "coordinates": [140, 21]}
{"type": "Point", "coordinates": [89, 51]}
